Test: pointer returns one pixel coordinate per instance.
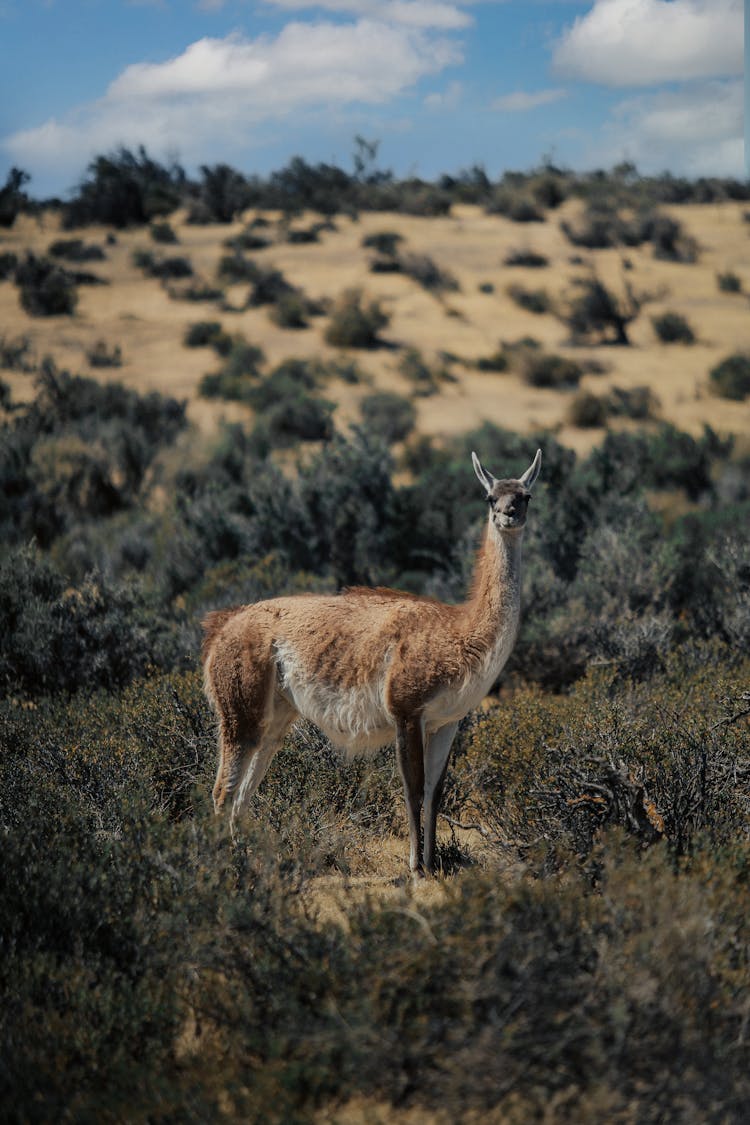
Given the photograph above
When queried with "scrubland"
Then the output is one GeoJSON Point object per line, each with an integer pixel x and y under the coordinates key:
{"type": "Point", "coordinates": [585, 954]}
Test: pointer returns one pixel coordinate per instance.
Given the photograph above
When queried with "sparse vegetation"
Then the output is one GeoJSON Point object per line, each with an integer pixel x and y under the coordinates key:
{"type": "Point", "coordinates": [102, 355]}
{"type": "Point", "coordinates": [354, 324]}
{"type": "Point", "coordinates": [45, 289]}
{"type": "Point", "coordinates": [533, 300]}
{"type": "Point", "coordinates": [164, 233]}
{"type": "Point", "coordinates": [731, 377]}
{"type": "Point", "coordinates": [673, 328]}
{"type": "Point", "coordinates": [528, 258]}
{"type": "Point", "coordinates": [595, 313]}
{"type": "Point", "coordinates": [388, 415]}
{"type": "Point", "coordinates": [729, 282]}
{"type": "Point", "coordinates": [76, 250]}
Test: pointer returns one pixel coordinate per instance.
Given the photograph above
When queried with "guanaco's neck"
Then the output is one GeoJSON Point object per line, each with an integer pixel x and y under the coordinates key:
{"type": "Point", "coordinates": [494, 601]}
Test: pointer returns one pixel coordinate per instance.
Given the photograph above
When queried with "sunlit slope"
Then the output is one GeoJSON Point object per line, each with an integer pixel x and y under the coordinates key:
{"type": "Point", "coordinates": [139, 315]}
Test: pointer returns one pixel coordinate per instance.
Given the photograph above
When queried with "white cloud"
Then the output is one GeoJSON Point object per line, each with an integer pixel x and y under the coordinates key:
{"type": "Point", "coordinates": [445, 99]}
{"type": "Point", "coordinates": [437, 14]}
{"type": "Point", "coordinates": [698, 132]}
{"type": "Point", "coordinates": [646, 42]}
{"type": "Point", "coordinates": [218, 92]}
{"type": "Point", "coordinates": [520, 101]}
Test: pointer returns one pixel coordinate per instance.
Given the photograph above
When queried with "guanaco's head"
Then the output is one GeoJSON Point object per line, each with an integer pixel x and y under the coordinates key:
{"type": "Point", "coordinates": [508, 499]}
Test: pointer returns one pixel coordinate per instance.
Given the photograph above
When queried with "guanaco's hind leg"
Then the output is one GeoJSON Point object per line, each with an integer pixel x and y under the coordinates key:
{"type": "Point", "coordinates": [410, 757]}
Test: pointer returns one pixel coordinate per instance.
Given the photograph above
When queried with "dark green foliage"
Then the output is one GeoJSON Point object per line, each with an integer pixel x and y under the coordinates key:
{"type": "Point", "coordinates": [547, 369]}
{"type": "Point", "coordinates": [290, 311]}
{"type": "Point", "coordinates": [101, 355]}
{"type": "Point", "coordinates": [384, 242]}
{"type": "Point", "coordinates": [46, 289]}
{"type": "Point", "coordinates": [163, 232]}
{"type": "Point", "coordinates": [388, 415]}
{"type": "Point", "coordinates": [234, 380]}
{"type": "Point", "coordinates": [526, 258]}
{"type": "Point", "coordinates": [516, 206]}
{"type": "Point", "coordinates": [222, 194]}
{"type": "Point", "coordinates": [533, 300]}
{"type": "Point", "coordinates": [8, 264]}
{"type": "Point", "coordinates": [235, 268]}
{"type": "Point", "coordinates": [16, 355]}
{"type": "Point", "coordinates": [587, 410]}
{"type": "Point", "coordinates": [125, 189]}
{"type": "Point", "coordinates": [595, 312]}
{"type": "Point", "coordinates": [731, 377]}
{"type": "Point", "coordinates": [13, 200]}
{"type": "Point", "coordinates": [164, 268]}
{"type": "Point", "coordinates": [203, 333]}
{"type": "Point", "coordinates": [729, 282]}
{"type": "Point", "coordinates": [669, 240]}
{"type": "Point", "coordinates": [80, 450]}
{"type": "Point", "coordinates": [486, 287]}
{"type": "Point", "coordinates": [673, 328]}
{"type": "Point", "coordinates": [247, 240]}
{"type": "Point", "coordinates": [354, 324]}
{"type": "Point", "coordinates": [76, 250]}
{"type": "Point", "coordinates": [427, 273]}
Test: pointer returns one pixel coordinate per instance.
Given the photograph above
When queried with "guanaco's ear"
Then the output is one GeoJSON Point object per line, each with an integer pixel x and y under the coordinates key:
{"type": "Point", "coordinates": [529, 477]}
{"type": "Point", "coordinates": [485, 479]}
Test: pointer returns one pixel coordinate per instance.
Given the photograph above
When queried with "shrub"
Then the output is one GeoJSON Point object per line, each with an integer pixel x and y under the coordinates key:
{"type": "Point", "coordinates": [234, 268]}
{"type": "Point", "coordinates": [101, 355]}
{"type": "Point", "coordinates": [384, 242]}
{"type": "Point", "coordinates": [497, 362]}
{"type": "Point", "coordinates": [290, 311]}
{"type": "Point", "coordinates": [209, 334]}
{"type": "Point", "coordinates": [388, 415]}
{"type": "Point", "coordinates": [247, 240]}
{"type": "Point", "coordinates": [76, 250]}
{"type": "Point", "coordinates": [125, 188]}
{"type": "Point", "coordinates": [669, 240]}
{"type": "Point", "coordinates": [45, 288]}
{"type": "Point", "coordinates": [486, 287]}
{"type": "Point", "coordinates": [533, 300]}
{"type": "Point", "coordinates": [546, 369]}
{"type": "Point", "coordinates": [353, 324]}
{"type": "Point", "coordinates": [427, 273]}
{"type": "Point", "coordinates": [587, 410]}
{"type": "Point", "coordinates": [638, 403]}
{"type": "Point", "coordinates": [526, 258]}
{"type": "Point", "coordinates": [419, 373]}
{"type": "Point", "coordinates": [8, 264]}
{"type": "Point", "coordinates": [164, 268]}
{"type": "Point", "coordinates": [731, 377]}
{"type": "Point", "coordinates": [222, 194]}
{"type": "Point", "coordinates": [673, 328]}
{"type": "Point", "coordinates": [596, 311]}
{"type": "Point", "coordinates": [16, 355]}
{"type": "Point", "coordinates": [13, 200]}
{"type": "Point", "coordinates": [302, 417]}
{"type": "Point", "coordinates": [163, 232]}
{"type": "Point", "coordinates": [235, 379]}
{"type": "Point", "coordinates": [729, 282]}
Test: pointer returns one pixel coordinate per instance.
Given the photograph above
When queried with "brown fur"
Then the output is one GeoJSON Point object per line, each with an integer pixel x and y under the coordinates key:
{"type": "Point", "coordinates": [323, 652]}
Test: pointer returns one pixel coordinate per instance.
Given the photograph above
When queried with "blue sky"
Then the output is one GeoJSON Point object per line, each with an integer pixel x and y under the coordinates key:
{"type": "Point", "coordinates": [442, 84]}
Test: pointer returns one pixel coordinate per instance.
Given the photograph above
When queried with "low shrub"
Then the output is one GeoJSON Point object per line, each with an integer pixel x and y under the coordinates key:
{"type": "Point", "coordinates": [731, 377]}
{"type": "Point", "coordinates": [354, 324]}
{"type": "Point", "coordinates": [204, 334]}
{"type": "Point", "coordinates": [164, 233]}
{"type": "Point", "coordinates": [388, 415]}
{"type": "Point", "coordinates": [596, 312]}
{"type": "Point", "coordinates": [247, 240]}
{"type": "Point", "coordinates": [533, 300]}
{"type": "Point", "coordinates": [290, 311]}
{"type": "Point", "coordinates": [547, 369]}
{"type": "Point", "coordinates": [673, 328]}
{"type": "Point", "coordinates": [587, 410]}
{"type": "Point", "coordinates": [236, 378]}
{"type": "Point", "coordinates": [425, 271]}
{"type": "Point", "coordinates": [486, 287]}
{"type": "Point", "coordinates": [385, 242]}
{"type": "Point", "coordinates": [76, 250]}
{"type": "Point", "coordinates": [166, 269]}
{"type": "Point", "coordinates": [729, 282]}
{"type": "Point", "coordinates": [8, 264]}
{"type": "Point", "coordinates": [101, 355]}
{"type": "Point", "coordinates": [423, 378]}
{"type": "Point", "coordinates": [16, 354]}
{"type": "Point", "coordinates": [529, 258]}
{"type": "Point", "coordinates": [46, 289]}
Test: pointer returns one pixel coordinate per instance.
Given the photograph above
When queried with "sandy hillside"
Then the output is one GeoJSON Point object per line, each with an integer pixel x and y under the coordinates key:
{"type": "Point", "coordinates": [140, 316]}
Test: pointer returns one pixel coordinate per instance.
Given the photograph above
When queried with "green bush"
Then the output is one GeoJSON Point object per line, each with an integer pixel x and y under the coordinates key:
{"type": "Point", "coordinates": [76, 250]}
{"type": "Point", "coordinates": [587, 410]}
{"type": "Point", "coordinates": [529, 258]}
{"type": "Point", "coordinates": [384, 242]}
{"type": "Point", "coordinates": [533, 300]}
{"type": "Point", "coordinates": [164, 268]}
{"type": "Point", "coordinates": [353, 324]}
{"type": "Point", "coordinates": [427, 273]}
{"type": "Point", "coordinates": [208, 334]}
{"type": "Point", "coordinates": [125, 189]}
{"type": "Point", "coordinates": [45, 288]}
{"type": "Point", "coordinates": [546, 369]}
{"type": "Point", "coordinates": [164, 233]}
{"type": "Point", "coordinates": [729, 282]}
{"type": "Point", "coordinates": [290, 311]}
{"type": "Point", "coordinates": [101, 355]}
{"type": "Point", "coordinates": [235, 379]}
{"type": "Point", "coordinates": [13, 200]}
{"type": "Point", "coordinates": [389, 415]}
{"type": "Point", "coordinates": [673, 328]}
{"type": "Point", "coordinates": [8, 265]}
{"type": "Point", "coordinates": [731, 377]}
{"type": "Point", "coordinates": [596, 312]}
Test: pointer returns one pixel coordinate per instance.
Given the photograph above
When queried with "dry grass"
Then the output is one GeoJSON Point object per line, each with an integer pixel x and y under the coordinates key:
{"type": "Point", "coordinates": [149, 326]}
